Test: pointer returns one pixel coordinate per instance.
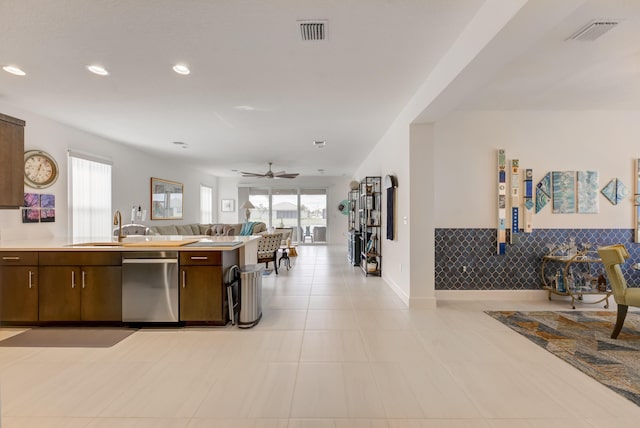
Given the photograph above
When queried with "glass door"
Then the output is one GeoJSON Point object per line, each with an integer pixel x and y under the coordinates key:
{"type": "Point", "coordinates": [284, 210]}
{"type": "Point", "coordinates": [313, 215]}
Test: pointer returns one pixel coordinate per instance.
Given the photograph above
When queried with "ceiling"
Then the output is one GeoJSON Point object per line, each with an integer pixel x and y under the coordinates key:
{"type": "Point", "coordinates": [258, 93]}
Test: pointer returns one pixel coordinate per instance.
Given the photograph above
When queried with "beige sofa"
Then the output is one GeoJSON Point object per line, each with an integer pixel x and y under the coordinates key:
{"type": "Point", "coordinates": [217, 229]}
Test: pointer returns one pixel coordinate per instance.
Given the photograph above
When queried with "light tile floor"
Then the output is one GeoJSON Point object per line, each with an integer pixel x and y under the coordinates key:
{"type": "Point", "coordinates": [334, 350]}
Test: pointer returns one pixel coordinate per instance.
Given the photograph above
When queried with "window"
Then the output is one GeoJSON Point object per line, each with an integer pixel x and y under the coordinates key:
{"type": "Point", "coordinates": [305, 210]}
{"type": "Point", "coordinates": [206, 204]}
{"type": "Point", "coordinates": [89, 196]}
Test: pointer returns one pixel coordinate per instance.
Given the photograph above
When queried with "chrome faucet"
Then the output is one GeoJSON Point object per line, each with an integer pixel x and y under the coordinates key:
{"type": "Point", "coordinates": [117, 221]}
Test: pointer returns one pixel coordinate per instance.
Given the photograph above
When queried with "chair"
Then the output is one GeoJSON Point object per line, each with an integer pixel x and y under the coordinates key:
{"type": "Point", "coordinates": [612, 257]}
{"type": "Point", "coordinates": [320, 234]}
{"type": "Point", "coordinates": [268, 246]}
{"type": "Point", "coordinates": [286, 233]}
{"type": "Point", "coordinates": [307, 233]}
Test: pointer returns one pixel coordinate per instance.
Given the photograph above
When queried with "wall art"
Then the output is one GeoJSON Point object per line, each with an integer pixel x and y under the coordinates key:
{"type": "Point", "coordinates": [587, 192]}
{"type": "Point", "coordinates": [543, 192]}
{"type": "Point", "coordinates": [615, 191]}
{"type": "Point", "coordinates": [38, 208]}
{"type": "Point", "coordinates": [563, 185]}
{"type": "Point", "coordinates": [166, 199]}
{"type": "Point", "coordinates": [502, 204]}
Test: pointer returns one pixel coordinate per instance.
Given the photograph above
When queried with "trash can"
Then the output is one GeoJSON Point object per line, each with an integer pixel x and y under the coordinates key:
{"type": "Point", "coordinates": [250, 296]}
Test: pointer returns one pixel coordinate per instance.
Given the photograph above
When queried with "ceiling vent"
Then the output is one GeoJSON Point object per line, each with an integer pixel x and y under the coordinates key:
{"type": "Point", "coordinates": [313, 31]}
{"type": "Point", "coordinates": [593, 30]}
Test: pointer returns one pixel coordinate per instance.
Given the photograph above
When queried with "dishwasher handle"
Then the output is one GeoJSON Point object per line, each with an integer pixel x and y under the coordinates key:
{"type": "Point", "coordinates": [149, 261]}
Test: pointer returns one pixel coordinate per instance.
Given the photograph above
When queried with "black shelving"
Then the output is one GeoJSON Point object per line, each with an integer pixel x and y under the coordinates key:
{"type": "Point", "coordinates": [369, 220]}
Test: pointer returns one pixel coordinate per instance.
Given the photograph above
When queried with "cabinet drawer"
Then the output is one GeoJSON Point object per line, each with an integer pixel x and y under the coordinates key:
{"type": "Point", "coordinates": [199, 258]}
{"type": "Point", "coordinates": [18, 258]}
{"type": "Point", "coordinates": [83, 258]}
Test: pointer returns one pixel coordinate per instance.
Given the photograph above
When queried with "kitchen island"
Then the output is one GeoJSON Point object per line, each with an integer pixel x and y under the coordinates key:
{"type": "Point", "coordinates": [55, 281]}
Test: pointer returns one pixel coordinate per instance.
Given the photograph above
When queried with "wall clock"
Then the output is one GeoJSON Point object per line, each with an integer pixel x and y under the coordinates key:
{"type": "Point", "coordinates": [40, 169]}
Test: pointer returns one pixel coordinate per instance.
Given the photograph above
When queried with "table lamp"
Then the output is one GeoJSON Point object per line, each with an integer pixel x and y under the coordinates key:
{"type": "Point", "coordinates": [247, 205]}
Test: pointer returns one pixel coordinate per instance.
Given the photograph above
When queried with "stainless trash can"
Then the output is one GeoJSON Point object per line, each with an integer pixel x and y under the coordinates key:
{"type": "Point", "coordinates": [250, 296]}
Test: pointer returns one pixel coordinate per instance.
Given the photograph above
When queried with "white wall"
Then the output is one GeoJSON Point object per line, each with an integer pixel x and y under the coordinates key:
{"type": "Point", "coordinates": [466, 153]}
{"type": "Point", "coordinates": [391, 157]}
{"type": "Point", "coordinates": [132, 170]}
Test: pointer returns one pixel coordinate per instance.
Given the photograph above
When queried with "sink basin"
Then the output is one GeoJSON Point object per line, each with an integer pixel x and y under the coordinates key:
{"type": "Point", "coordinates": [96, 244]}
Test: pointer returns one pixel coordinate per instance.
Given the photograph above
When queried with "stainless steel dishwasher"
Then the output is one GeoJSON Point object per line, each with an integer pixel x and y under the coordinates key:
{"type": "Point", "coordinates": [150, 286]}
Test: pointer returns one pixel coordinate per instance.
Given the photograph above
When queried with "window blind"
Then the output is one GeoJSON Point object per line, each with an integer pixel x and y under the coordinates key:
{"type": "Point", "coordinates": [90, 197]}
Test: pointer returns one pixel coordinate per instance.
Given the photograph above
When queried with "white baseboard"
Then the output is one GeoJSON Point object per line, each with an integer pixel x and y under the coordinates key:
{"type": "Point", "coordinates": [412, 302]}
{"type": "Point", "coordinates": [534, 295]}
{"type": "Point", "coordinates": [399, 291]}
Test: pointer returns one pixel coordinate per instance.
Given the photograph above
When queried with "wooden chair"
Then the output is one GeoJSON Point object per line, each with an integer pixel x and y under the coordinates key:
{"type": "Point", "coordinates": [612, 257]}
{"type": "Point", "coordinates": [268, 246]}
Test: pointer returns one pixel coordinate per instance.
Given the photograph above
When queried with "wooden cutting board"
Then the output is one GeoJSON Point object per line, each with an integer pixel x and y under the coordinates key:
{"type": "Point", "coordinates": [160, 243]}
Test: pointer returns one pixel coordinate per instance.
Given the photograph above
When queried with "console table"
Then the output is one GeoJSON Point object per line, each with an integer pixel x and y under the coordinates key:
{"type": "Point", "coordinates": [583, 261]}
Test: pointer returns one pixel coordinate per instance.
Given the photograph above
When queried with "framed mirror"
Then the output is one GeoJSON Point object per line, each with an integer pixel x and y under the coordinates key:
{"type": "Point", "coordinates": [166, 199]}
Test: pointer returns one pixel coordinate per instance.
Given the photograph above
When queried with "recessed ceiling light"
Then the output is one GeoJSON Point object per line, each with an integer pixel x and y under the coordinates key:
{"type": "Point", "coordinates": [320, 144]}
{"type": "Point", "coordinates": [14, 70]}
{"type": "Point", "coordinates": [245, 108]}
{"type": "Point", "coordinates": [181, 69]}
{"type": "Point", "coordinates": [181, 144]}
{"type": "Point", "coordinates": [97, 69]}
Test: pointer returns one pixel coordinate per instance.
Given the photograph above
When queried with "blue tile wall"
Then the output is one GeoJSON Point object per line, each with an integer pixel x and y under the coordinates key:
{"type": "Point", "coordinates": [519, 268]}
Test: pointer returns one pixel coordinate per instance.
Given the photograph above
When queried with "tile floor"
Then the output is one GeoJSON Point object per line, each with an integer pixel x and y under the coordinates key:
{"type": "Point", "coordinates": [333, 350]}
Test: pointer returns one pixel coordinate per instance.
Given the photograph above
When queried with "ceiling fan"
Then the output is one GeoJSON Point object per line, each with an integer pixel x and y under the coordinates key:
{"type": "Point", "coordinates": [270, 174]}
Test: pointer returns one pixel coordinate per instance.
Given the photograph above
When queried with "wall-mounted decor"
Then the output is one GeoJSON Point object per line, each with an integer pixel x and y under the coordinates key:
{"type": "Point", "coordinates": [636, 201]}
{"type": "Point", "coordinates": [502, 203]}
{"type": "Point", "coordinates": [390, 183]}
{"type": "Point", "coordinates": [563, 192]}
{"type": "Point", "coordinates": [166, 199]}
{"type": "Point", "coordinates": [40, 169]}
{"type": "Point", "coordinates": [587, 192]}
{"type": "Point", "coordinates": [528, 200]}
{"type": "Point", "coordinates": [47, 208]}
{"type": "Point", "coordinates": [615, 191]}
{"type": "Point", "coordinates": [39, 208]}
{"type": "Point", "coordinates": [228, 205]}
{"type": "Point", "coordinates": [515, 201]}
{"type": "Point", "coordinates": [543, 192]}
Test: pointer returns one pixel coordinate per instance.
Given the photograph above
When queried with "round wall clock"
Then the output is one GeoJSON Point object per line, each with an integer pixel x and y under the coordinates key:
{"type": "Point", "coordinates": [40, 169]}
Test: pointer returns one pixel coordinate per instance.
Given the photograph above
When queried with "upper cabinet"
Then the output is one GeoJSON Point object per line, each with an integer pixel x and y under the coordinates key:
{"type": "Point", "coordinates": [11, 162]}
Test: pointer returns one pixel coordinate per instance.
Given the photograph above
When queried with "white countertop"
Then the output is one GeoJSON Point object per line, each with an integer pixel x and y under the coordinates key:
{"type": "Point", "coordinates": [131, 243]}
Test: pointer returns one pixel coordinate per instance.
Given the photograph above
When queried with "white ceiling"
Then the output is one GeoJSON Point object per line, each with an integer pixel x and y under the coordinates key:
{"type": "Point", "coordinates": [553, 73]}
{"type": "Point", "coordinates": [346, 90]}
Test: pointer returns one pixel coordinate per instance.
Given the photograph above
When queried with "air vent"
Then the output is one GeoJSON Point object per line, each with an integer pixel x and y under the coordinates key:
{"type": "Point", "coordinates": [313, 31]}
{"type": "Point", "coordinates": [593, 30]}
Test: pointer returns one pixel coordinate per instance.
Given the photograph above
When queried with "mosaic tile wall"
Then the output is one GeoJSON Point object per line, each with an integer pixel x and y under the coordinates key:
{"type": "Point", "coordinates": [466, 259]}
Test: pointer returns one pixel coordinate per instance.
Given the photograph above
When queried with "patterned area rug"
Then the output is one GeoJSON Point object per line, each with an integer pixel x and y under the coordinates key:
{"type": "Point", "coordinates": [583, 340]}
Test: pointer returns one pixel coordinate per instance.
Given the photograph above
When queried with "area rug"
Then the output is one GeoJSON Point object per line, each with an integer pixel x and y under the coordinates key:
{"type": "Point", "coordinates": [68, 337]}
{"type": "Point", "coordinates": [583, 340]}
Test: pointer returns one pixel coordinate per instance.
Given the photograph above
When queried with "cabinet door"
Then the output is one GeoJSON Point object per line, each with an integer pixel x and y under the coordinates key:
{"type": "Point", "coordinates": [101, 297]}
{"type": "Point", "coordinates": [201, 294]}
{"type": "Point", "coordinates": [19, 293]}
{"type": "Point", "coordinates": [59, 293]}
{"type": "Point", "coordinates": [11, 162]}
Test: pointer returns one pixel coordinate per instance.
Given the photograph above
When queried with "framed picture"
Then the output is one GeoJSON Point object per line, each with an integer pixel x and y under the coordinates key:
{"type": "Point", "coordinates": [166, 199]}
{"type": "Point", "coordinates": [228, 205]}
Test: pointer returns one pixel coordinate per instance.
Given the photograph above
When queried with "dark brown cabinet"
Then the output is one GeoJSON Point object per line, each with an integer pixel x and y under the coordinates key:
{"type": "Point", "coordinates": [83, 286]}
{"type": "Point", "coordinates": [202, 290]}
{"type": "Point", "coordinates": [11, 162]}
{"type": "Point", "coordinates": [19, 286]}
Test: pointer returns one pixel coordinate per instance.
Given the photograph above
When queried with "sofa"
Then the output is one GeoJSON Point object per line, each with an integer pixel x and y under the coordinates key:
{"type": "Point", "coordinates": [217, 229]}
